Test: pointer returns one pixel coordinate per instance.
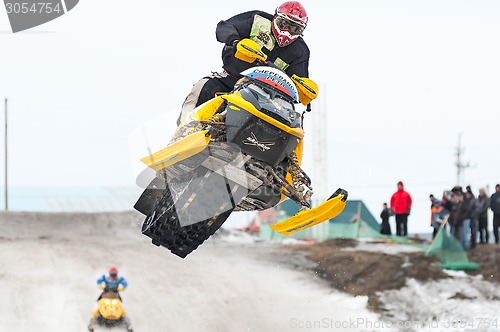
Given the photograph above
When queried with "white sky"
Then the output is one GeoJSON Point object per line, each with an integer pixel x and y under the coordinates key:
{"type": "Point", "coordinates": [399, 81]}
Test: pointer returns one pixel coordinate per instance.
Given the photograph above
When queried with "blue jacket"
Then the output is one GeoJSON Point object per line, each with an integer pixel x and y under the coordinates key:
{"type": "Point", "coordinates": [112, 282]}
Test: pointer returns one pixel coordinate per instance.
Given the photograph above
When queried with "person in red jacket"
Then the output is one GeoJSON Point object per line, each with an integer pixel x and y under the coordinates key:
{"type": "Point", "coordinates": [401, 206]}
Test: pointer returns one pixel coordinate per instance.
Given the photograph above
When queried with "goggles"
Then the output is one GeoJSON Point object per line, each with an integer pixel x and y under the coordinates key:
{"type": "Point", "coordinates": [286, 24]}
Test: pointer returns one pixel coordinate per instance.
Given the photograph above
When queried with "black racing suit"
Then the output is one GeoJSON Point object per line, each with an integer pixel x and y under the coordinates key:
{"type": "Point", "coordinates": [256, 25]}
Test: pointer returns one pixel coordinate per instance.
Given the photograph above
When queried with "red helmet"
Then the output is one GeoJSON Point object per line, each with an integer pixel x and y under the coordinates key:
{"type": "Point", "coordinates": [289, 22]}
{"type": "Point", "coordinates": [113, 272]}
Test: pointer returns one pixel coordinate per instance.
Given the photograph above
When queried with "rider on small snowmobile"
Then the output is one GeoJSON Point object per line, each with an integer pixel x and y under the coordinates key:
{"type": "Point", "coordinates": [112, 282]}
{"type": "Point", "coordinates": [279, 36]}
{"type": "Point", "coordinates": [111, 286]}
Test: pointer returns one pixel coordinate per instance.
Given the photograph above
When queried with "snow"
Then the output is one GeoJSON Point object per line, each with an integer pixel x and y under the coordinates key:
{"type": "Point", "coordinates": [231, 283]}
{"type": "Point", "coordinates": [460, 303]}
{"type": "Point", "coordinates": [463, 303]}
{"type": "Point", "coordinates": [50, 263]}
{"type": "Point", "coordinates": [234, 236]}
{"type": "Point", "coordinates": [390, 248]}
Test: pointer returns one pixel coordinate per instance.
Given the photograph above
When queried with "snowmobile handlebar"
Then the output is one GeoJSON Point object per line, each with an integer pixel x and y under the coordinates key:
{"type": "Point", "coordinates": [249, 51]}
{"type": "Point", "coordinates": [119, 289]}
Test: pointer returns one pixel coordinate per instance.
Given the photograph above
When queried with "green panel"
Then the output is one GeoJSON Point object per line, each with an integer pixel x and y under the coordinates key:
{"type": "Point", "coordinates": [289, 207]}
{"type": "Point", "coordinates": [450, 252]}
{"type": "Point", "coordinates": [351, 211]}
{"type": "Point", "coordinates": [343, 230]}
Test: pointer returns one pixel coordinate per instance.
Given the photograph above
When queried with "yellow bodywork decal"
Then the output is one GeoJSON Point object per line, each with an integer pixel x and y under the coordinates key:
{"type": "Point", "coordinates": [208, 110]}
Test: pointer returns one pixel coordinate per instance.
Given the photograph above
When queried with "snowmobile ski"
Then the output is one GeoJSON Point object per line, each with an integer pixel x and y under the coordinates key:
{"type": "Point", "coordinates": [308, 218]}
{"type": "Point", "coordinates": [180, 150]}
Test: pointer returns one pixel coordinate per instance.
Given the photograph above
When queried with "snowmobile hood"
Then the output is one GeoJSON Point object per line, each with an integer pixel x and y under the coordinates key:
{"type": "Point", "coordinates": [275, 78]}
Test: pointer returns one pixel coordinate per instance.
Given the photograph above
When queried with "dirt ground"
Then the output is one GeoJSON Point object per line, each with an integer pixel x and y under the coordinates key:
{"type": "Point", "coordinates": [369, 272]}
{"type": "Point", "coordinates": [488, 258]}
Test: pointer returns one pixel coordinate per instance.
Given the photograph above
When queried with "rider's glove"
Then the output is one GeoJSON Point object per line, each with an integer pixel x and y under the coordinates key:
{"type": "Point", "coordinates": [247, 50]}
{"type": "Point", "coordinates": [308, 89]}
{"type": "Point", "coordinates": [231, 46]}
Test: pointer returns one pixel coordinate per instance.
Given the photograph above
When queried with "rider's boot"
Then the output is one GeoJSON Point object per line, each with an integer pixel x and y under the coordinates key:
{"type": "Point", "coordinates": [129, 325]}
{"type": "Point", "coordinates": [91, 324]}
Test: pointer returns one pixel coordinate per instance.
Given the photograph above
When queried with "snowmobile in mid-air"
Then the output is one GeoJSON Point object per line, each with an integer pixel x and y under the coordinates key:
{"type": "Point", "coordinates": [110, 312]}
{"type": "Point", "coordinates": [239, 151]}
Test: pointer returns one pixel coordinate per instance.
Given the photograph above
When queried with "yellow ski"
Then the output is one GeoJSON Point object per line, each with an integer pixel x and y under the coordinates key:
{"type": "Point", "coordinates": [308, 218]}
{"type": "Point", "coordinates": [180, 150]}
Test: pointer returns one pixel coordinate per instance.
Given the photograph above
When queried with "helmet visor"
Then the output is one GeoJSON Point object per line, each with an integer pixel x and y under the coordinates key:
{"type": "Point", "coordinates": [286, 24]}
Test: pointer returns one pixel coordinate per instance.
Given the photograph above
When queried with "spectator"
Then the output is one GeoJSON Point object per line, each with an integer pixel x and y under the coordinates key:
{"type": "Point", "coordinates": [447, 203]}
{"type": "Point", "coordinates": [447, 199]}
{"type": "Point", "coordinates": [401, 206]}
{"type": "Point", "coordinates": [469, 190]}
{"type": "Point", "coordinates": [454, 218]}
{"type": "Point", "coordinates": [385, 227]}
{"type": "Point", "coordinates": [467, 213]}
{"type": "Point", "coordinates": [482, 205]}
{"type": "Point", "coordinates": [432, 199]}
{"type": "Point", "coordinates": [437, 216]}
{"type": "Point", "coordinates": [495, 207]}
{"type": "Point", "coordinates": [474, 221]}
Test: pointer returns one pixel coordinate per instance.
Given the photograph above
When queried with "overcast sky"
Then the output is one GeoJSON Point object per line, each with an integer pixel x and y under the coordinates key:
{"type": "Point", "coordinates": [399, 81]}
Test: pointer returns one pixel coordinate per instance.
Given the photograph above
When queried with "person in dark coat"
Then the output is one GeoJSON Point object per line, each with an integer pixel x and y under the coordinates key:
{"type": "Point", "coordinates": [483, 203]}
{"type": "Point", "coordinates": [385, 227]}
{"type": "Point", "coordinates": [457, 196]}
{"type": "Point", "coordinates": [467, 217]}
{"type": "Point", "coordinates": [495, 207]}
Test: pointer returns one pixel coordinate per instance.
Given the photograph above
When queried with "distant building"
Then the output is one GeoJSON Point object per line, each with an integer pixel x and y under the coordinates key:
{"type": "Point", "coordinates": [73, 199]}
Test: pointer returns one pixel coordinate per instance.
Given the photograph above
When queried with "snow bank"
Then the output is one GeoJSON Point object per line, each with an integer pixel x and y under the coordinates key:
{"type": "Point", "coordinates": [462, 303]}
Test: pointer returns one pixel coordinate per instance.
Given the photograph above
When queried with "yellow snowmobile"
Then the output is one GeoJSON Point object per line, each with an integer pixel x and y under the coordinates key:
{"type": "Point", "coordinates": [110, 312]}
{"type": "Point", "coordinates": [239, 151]}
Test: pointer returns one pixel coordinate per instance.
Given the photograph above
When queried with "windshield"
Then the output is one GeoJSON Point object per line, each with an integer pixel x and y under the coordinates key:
{"type": "Point", "coordinates": [258, 92]}
{"type": "Point", "coordinates": [272, 102]}
{"type": "Point", "coordinates": [278, 101]}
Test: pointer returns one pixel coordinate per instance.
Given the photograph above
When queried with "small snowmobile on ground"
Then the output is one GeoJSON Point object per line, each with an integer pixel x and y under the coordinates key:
{"type": "Point", "coordinates": [110, 312]}
{"type": "Point", "coordinates": [239, 151]}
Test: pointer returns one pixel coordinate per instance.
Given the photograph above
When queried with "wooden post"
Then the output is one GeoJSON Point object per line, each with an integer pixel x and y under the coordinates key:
{"type": "Point", "coordinates": [6, 183]}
